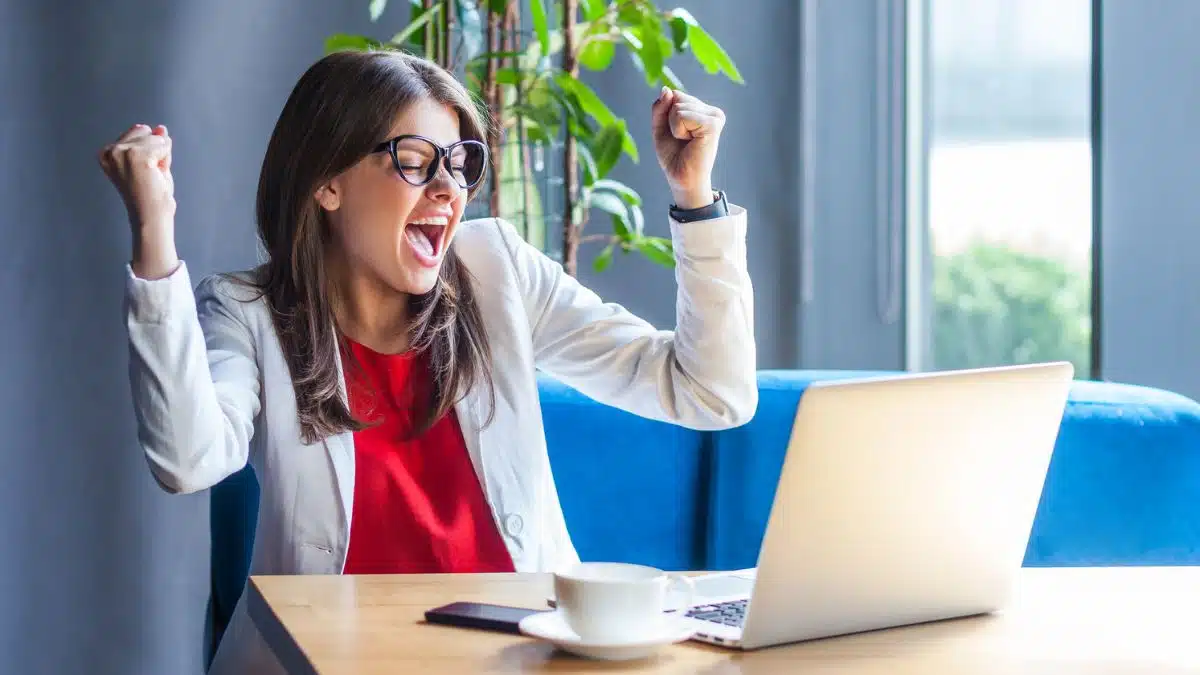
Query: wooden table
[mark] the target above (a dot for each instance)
(1083, 620)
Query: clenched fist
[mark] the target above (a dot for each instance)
(686, 134)
(139, 166)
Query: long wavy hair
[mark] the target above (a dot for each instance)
(339, 110)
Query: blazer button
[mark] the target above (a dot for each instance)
(514, 525)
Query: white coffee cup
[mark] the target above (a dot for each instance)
(618, 602)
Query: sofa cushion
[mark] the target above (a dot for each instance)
(1123, 486)
(632, 489)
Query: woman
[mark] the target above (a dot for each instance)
(378, 371)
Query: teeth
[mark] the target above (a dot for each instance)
(432, 220)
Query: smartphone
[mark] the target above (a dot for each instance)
(481, 615)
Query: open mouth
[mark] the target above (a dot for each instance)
(426, 237)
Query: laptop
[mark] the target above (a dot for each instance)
(902, 500)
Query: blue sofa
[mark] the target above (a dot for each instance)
(1123, 486)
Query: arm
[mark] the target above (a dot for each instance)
(191, 357)
(194, 379)
(702, 375)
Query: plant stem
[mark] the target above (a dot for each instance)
(491, 95)
(526, 169)
(430, 47)
(447, 30)
(570, 161)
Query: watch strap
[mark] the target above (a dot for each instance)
(719, 208)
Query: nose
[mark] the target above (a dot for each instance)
(443, 187)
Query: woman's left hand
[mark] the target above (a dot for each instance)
(686, 132)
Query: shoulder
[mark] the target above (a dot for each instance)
(238, 292)
(485, 234)
(492, 248)
(495, 245)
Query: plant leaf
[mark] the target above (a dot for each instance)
(509, 76)
(603, 259)
(537, 11)
(658, 250)
(626, 193)
(630, 14)
(537, 133)
(638, 218)
(606, 147)
(588, 162)
(711, 55)
(606, 201)
(376, 9)
(598, 54)
(543, 115)
(679, 33)
(589, 101)
(416, 24)
(631, 39)
(651, 51)
(592, 9)
(623, 229)
(671, 79)
(344, 42)
(683, 15)
(629, 146)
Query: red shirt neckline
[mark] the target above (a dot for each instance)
(418, 503)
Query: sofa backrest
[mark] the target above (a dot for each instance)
(1123, 487)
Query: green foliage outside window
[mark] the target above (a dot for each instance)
(996, 306)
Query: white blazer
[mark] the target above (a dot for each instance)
(211, 391)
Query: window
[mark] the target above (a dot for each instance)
(1004, 183)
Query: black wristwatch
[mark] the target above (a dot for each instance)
(718, 209)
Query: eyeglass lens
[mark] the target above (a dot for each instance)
(416, 160)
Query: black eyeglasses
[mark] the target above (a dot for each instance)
(417, 159)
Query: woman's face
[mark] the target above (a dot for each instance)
(386, 227)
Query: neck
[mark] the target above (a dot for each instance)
(368, 311)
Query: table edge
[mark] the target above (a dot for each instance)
(275, 635)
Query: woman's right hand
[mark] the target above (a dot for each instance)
(139, 166)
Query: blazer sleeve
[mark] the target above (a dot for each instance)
(701, 375)
(194, 378)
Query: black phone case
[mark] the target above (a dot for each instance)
(481, 616)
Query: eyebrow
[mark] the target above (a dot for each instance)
(413, 146)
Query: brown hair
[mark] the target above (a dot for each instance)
(341, 108)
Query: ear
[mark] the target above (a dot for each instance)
(329, 196)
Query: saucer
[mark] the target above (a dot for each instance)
(551, 627)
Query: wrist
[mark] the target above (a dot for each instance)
(686, 199)
(154, 254)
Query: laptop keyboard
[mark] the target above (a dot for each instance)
(731, 613)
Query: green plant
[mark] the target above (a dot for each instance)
(536, 95)
(995, 306)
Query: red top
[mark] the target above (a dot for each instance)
(418, 504)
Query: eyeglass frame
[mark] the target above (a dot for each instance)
(441, 158)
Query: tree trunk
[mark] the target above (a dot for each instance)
(570, 242)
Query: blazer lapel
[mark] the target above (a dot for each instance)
(341, 454)
(471, 423)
